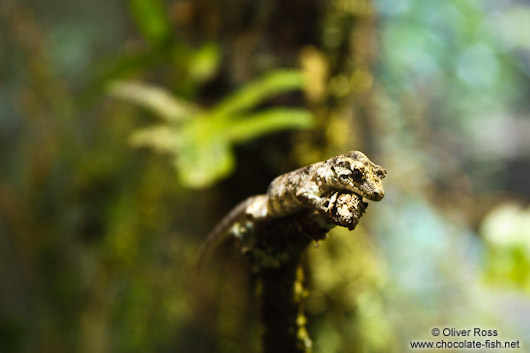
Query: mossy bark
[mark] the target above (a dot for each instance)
(275, 252)
(282, 313)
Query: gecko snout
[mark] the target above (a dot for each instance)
(378, 195)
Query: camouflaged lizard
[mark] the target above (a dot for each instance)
(313, 187)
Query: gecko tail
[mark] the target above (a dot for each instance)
(251, 208)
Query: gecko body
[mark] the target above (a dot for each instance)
(305, 187)
(302, 189)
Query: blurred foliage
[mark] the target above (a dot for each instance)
(200, 139)
(97, 240)
(355, 292)
(453, 120)
(152, 20)
(506, 229)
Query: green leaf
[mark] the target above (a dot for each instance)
(202, 146)
(204, 62)
(260, 90)
(204, 161)
(267, 121)
(156, 99)
(151, 17)
(161, 138)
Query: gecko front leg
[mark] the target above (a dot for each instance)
(346, 209)
(343, 209)
(323, 205)
(309, 198)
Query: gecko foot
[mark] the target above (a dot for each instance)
(343, 209)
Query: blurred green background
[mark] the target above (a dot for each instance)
(98, 239)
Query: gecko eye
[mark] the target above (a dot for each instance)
(357, 175)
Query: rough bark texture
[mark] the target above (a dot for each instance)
(282, 313)
(275, 248)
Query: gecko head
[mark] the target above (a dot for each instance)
(355, 172)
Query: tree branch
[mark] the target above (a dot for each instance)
(274, 247)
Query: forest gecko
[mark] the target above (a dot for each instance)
(306, 188)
